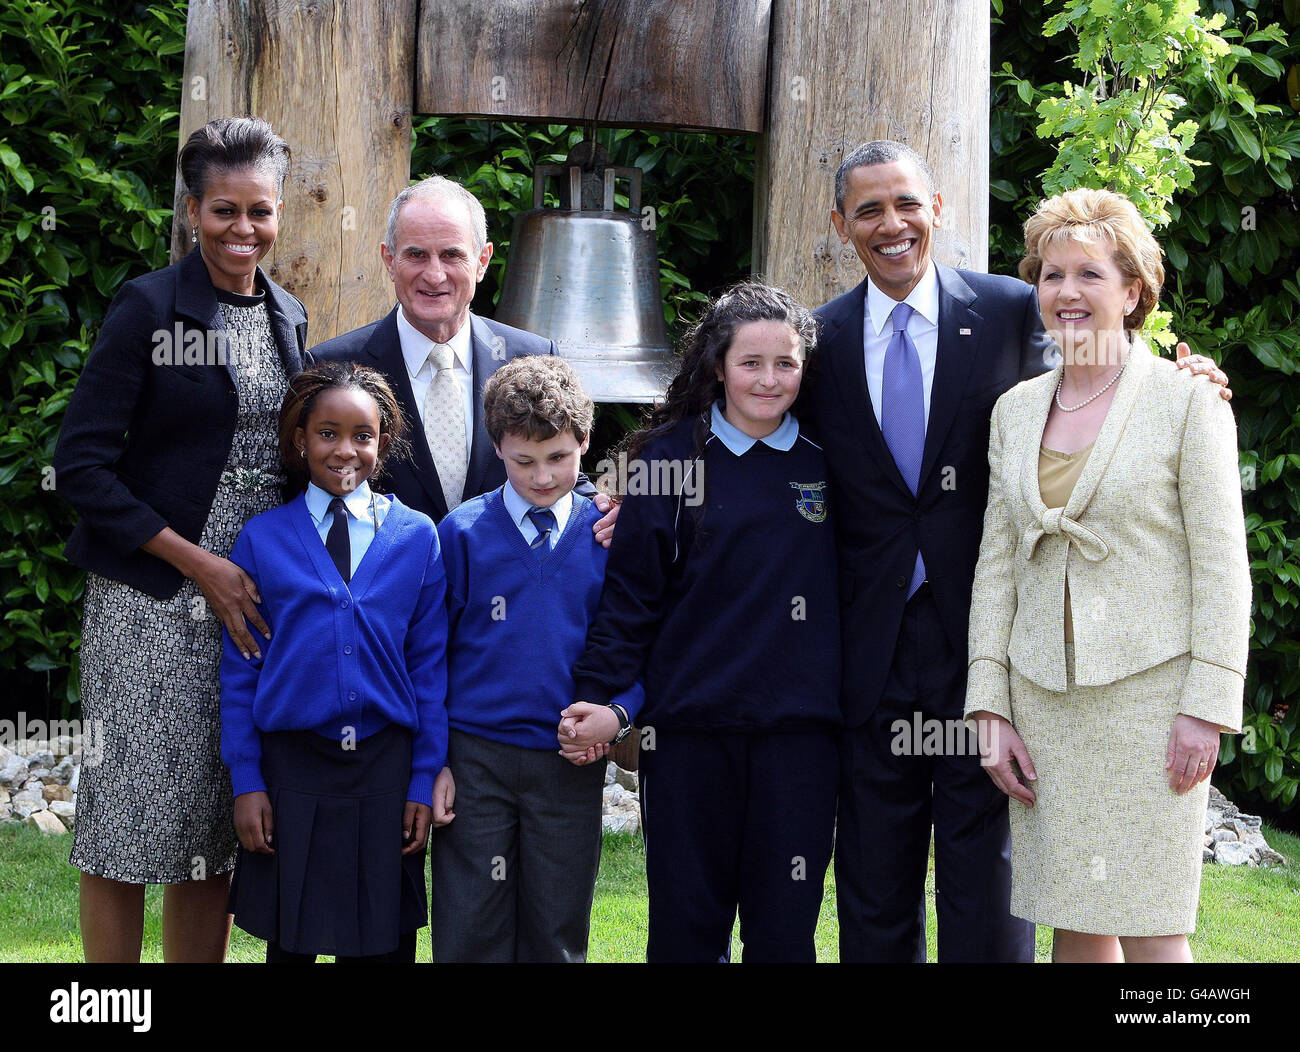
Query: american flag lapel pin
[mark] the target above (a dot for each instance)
(963, 332)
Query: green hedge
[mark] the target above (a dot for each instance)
(90, 101)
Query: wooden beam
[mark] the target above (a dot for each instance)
(657, 63)
(842, 74)
(335, 80)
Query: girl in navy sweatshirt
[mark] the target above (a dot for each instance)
(721, 589)
(336, 730)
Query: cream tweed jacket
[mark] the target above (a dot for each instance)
(1152, 542)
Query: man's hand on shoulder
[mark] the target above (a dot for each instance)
(604, 527)
(1203, 366)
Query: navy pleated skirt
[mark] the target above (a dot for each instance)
(338, 883)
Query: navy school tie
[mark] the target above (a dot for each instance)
(337, 541)
(544, 520)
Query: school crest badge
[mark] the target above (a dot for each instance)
(811, 501)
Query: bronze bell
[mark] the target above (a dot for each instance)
(586, 275)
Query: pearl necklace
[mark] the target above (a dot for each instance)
(1075, 408)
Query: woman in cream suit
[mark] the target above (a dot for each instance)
(1111, 607)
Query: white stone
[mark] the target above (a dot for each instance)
(621, 823)
(42, 757)
(63, 770)
(12, 767)
(609, 773)
(1224, 835)
(39, 774)
(46, 823)
(613, 794)
(28, 802)
(627, 779)
(4, 795)
(65, 811)
(1232, 853)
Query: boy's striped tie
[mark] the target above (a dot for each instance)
(544, 520)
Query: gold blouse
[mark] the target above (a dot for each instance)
(1057, 474)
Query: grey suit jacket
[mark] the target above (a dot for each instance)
(1152, 543)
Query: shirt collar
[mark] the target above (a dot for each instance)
(783, 438)
(416, 345)
(519, 508)
(357, 502)
(924, 299)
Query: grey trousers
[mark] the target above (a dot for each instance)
(514, 873)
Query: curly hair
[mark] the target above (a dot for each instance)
(1106, 220)
(538, 396)
(309, 385)
(696, 386)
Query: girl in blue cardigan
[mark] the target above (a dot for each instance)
(335, 730)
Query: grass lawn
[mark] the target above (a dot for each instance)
(1246, 914)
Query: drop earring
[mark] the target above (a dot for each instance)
(194, 237)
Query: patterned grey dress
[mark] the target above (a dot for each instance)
(154, 805)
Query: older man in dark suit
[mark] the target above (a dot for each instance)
(436, 354)
(910, 364)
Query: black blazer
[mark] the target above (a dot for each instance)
(415, 481)
(146, 436)
(990, 338)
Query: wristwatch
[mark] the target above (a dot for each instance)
(624, 724)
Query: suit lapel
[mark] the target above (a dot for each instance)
(1029, 437)
(846, 356)
(385, 350)
(285, 316)
(197, 298)
(1112, 428)
(959, 340)
(487, 353)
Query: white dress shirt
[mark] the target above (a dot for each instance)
(415, 352)
(362, 525)
(923, 327)
(519, 509)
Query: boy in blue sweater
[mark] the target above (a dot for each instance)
(514, 874)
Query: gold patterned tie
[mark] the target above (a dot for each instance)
(444, 425)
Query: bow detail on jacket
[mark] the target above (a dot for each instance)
(1053, 522)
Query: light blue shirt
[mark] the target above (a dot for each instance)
(366, 511)
(519, 509)
(923, 327)
(783, 438)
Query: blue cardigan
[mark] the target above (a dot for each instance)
(518, 618)
(341, 657)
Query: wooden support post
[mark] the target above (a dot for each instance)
(842, 74)
(335, 79)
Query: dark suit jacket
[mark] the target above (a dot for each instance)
(415, 481)
(146, 436)
(990, 338)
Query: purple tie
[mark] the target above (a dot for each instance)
(902, 412)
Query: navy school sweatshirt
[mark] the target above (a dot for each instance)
(518, 618)
(731, 608)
